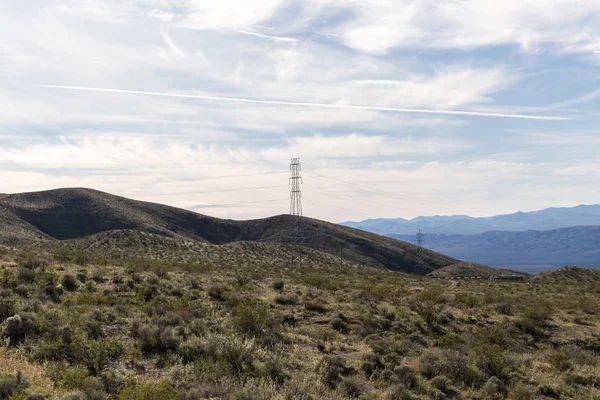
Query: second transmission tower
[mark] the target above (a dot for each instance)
(295, 193)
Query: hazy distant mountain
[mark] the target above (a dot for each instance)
(550, 218)
(529, 251)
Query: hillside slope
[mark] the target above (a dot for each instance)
(570, 275)
(472, 269)
(76, 213)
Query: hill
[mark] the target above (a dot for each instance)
(471, 269)
(548, 219)
(553, 248)
(243, 329)
(570, 275)
(69, 214)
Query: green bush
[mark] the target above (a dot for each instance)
(7, 307)
(334, 370)
(560, 361)
(253, 319)
(26, 275)
(237, 353)
(451, 341)
(17, 328)
(157, 340)
(148, 391)
(11, 386)
(353, 387)
(69, 282)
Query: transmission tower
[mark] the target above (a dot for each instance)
(420, 239)
(420, 251)
(295, 193)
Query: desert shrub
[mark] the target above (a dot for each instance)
(274, 370)
(315, 307)
(242, 280)
(451, 341)
(428, 310)
(11, 386)
(148, 391)
(278, 285)
(70, 283)
(237, 353)
(53, 292)
(406, 375)
(97, 354)
(580, 356)
(431, 294)
(253, 319)
(69, 378)
(559, 360)
(453, 364)
(492, 359)
(494, 388)
(156, 340)
(443, 384)
(353, 387)
(334, 370)
(91, 299)
(217, 292)
(286, 299)
(399, 392)
(7, 307)
(466, 299)
(17, 328)
(339, 325)
(26, 275)
(582, 380)
(539, 311)
(32, 261)
(22, 291)
(93, 329)
(548, 391)
(192, 350)
(522, 392)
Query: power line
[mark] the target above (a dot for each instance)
(418, 201)
(236, 204)
(221, 191)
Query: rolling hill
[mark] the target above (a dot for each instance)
(76, 213)
(570, 275)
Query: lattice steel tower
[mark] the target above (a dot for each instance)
(420, 239)
(295, 193)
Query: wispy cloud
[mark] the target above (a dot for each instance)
(323, 105)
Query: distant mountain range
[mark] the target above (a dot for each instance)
(548, 219)
(531, 242)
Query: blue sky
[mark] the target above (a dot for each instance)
(396, 108)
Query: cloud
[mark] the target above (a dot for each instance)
(383, 25)
(357, 145)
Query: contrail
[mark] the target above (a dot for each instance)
(321, 105)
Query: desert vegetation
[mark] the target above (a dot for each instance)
(79, 326)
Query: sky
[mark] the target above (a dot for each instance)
(396, 108)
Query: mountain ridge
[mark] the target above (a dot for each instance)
(546, 219)
(74, 213)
